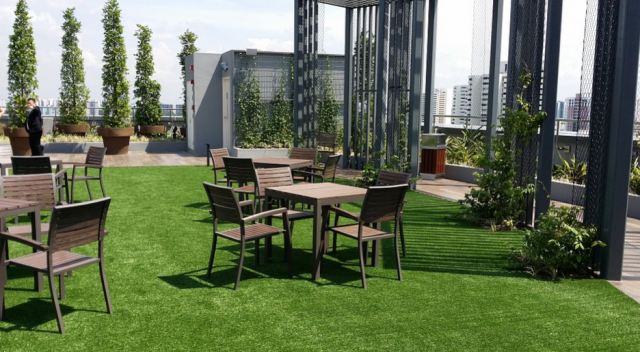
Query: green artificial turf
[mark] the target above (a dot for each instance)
(456, 295)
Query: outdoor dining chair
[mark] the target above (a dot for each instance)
(217, 156)
(243, 172)
(225, 207)
(328, 172)
(385, 178)
(381, 204)
(30, 165)
(277, 177)
(94, 160)
(72, 226)
(305, 154)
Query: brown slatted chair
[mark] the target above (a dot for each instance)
(381, 204)
(243, 172)
(225, 207)
(71, 226)
(305, 154)
(30, 165)
(217, 156)
(328, 172)
(94, 160)
(385, 178)
(276, 177)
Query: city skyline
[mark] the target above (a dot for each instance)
(223, 26)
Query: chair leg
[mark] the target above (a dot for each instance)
(73, 183)
(102, 187)
(335, 235)
(401, 227)
(257, 254)
(63, 293)
(398, 259)
(88, 190)
(242, 245)
(3, 281)
(105, 288)
(212, 255)
(54, 297)
(361, 249)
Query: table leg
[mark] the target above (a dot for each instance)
(317, 241)
(35, 233)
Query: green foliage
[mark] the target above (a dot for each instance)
(370, 172)
(560, 244)
(278, 128)
(147, 91)
(634, 178)
(249, 121)
(328, 106)
(115, 87)
(499, 201)
(574, 172)
(188, 42)
(467, 149)
(23, 66)
(73, 91)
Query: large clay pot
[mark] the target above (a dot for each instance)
(116, 140)
(149, 131)
(74, 130)
(19, 139)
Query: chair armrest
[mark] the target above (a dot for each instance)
(307, 173)
(315, 168)
(248, 202)
(87, 165)
(24, 240)
(344, 213)
(61, 173)
(265, 214)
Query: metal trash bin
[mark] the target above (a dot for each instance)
(433, 154)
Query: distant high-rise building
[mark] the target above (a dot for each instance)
(473, 99)
(441, 105)
(576, 108)
(559, 109)
(460, 103)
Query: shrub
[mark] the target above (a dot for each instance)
(465, 150)
(147, 91)
(73, 91)
(574, 172)
(560, 245)
(634, 179)
(115, 87)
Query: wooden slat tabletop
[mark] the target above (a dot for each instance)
(281, 162)
(12, 204)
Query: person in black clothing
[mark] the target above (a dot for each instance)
(34, 127)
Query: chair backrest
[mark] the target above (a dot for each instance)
(224, 203)
(5, 150)
(330, 167)
(95, 155)
(382, 203)
(274, 177)
(78, 224)
(217, 155)
(304, 153)
(327, 140)
(29, 165)
(390, 178)
(38, 188)
(240, 170)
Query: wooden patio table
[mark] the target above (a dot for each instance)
(14, 207)
(6, 164)
(266, 163)
(320, 196)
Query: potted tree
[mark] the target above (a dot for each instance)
(188, 41)
(22, 81)
(147, 90)
(115, 88)
(73, 91)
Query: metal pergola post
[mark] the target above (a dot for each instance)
(430, 66)
(417, 42)
(494, 106)
(549, 97)
(614, 209)
(381, 80)
(298, 71)
(348, 87)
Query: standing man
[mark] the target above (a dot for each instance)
(34, 127)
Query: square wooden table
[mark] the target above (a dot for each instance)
(14, 207)
(267, 163)
(320, 196)
(6, 164)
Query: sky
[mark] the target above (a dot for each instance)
(223, 25)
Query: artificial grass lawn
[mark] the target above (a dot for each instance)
(456, 294)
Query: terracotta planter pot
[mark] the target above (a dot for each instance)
(183, 132)
(148, 131)
(74, 130)
(19, 139)
(116, 140)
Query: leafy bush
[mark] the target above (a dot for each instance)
(73, 91)
(147, 91)
(634, 179)
(498, 201)
(467, 149)
(560, 245)
(574, 172)
(115, 87)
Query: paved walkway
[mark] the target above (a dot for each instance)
(443, 188)
(630, 283)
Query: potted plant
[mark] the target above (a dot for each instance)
(22, 81)
(73, 91)
(115, 88)
(147, 90)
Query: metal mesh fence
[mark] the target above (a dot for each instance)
(526, 51)
(480, 58)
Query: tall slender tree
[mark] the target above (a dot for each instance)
(188, 41)
(147, 90)
(73, 91)
(115, 87)
(22, 81)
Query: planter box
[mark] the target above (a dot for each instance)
(461, 173)
(149, 147)
(633, 208)
(260, 153)
(563, 192)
